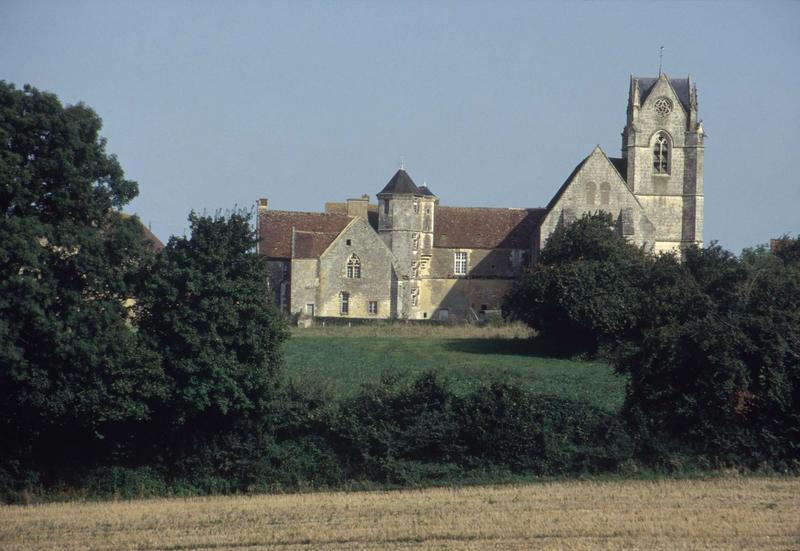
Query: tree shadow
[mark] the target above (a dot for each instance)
(533, 346)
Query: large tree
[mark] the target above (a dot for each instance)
(73, 372)
(586, 290)
(206, 307)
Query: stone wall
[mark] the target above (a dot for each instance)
(598, 186)
(378, 280)
(305, 282)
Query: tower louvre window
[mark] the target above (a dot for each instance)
(386, 206)
(354, 268)
(661, 155)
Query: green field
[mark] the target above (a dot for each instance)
(340, 365)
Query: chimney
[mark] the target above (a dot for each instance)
(357, 208)
(261, 210)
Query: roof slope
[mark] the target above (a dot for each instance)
(312, 244)
(680, 85)
(401, 183)
(275, 230)
(485, 228)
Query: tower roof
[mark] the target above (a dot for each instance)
(425, 190)
(401, 183)
(680, 85)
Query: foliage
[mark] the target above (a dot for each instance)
(205, 307)
(718, 368)
(412, 432)
(73, 372)
(787, 249)
(587, 289)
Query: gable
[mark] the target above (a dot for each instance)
(357, 237)
(595, 185)
(680, 87)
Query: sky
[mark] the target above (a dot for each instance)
(212, 105)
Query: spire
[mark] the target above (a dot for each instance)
(660, 58)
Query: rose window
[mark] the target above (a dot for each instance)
(662, 106)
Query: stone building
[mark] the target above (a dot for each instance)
(409, 257)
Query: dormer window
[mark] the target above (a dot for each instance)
(354, 268)
(661, 155)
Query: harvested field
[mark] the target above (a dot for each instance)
(724, 513)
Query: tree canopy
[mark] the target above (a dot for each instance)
(72, 370)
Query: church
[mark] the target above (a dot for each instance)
(410, 257)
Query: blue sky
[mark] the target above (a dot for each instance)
(210, 105)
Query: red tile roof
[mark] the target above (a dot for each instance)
(312, 244)
(275, 230)
(485, 228)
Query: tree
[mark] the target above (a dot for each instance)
(718, 364)
(585, 291)
(206, 308)
(73, 372)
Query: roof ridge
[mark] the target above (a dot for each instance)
(305, 212)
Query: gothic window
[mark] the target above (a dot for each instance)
(605, 193)
(414, 297)
(415, 241)
(416, 207)
(372, 307)
(354, 268)
(460, 263)
(661, 155)
(344, 303)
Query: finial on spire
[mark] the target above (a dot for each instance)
(402, 157)
(660, 57)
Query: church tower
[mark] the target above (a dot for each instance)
(662, 144)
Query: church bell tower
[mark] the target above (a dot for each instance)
(662, 144)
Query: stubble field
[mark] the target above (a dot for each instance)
(723, 513)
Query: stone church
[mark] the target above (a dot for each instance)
(408, 256)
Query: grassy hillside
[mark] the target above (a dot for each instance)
(725, 513)
(339, 361)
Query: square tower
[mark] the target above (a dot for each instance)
(662, 144)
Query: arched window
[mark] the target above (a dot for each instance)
(605, 193)
(354, 268)
(661, 155)
(591, 192)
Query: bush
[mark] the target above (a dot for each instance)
(506, 425)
